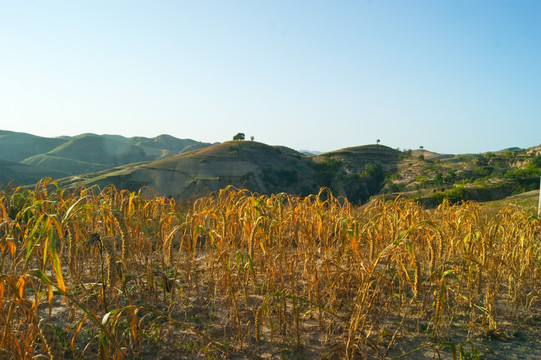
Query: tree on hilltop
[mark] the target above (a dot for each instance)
(239, 136)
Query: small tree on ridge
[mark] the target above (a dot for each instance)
(239, 136)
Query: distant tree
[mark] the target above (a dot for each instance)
(252, 138)
(421, 147)
(378, 141)
(239, 136)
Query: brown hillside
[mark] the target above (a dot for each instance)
(244, 164)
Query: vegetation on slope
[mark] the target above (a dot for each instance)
(480, 177)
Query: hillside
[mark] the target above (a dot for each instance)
(256, 166)
(17, 173)
(431, 177)
(356, 173)
(66, 165)
(88, 152)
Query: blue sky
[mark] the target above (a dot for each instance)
(452, 76)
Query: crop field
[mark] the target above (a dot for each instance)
(111, 274)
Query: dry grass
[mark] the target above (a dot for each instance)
(120, 276)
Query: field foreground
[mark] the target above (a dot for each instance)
(114, 275)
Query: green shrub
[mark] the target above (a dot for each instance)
(454, 195)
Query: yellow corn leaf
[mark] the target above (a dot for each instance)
(133, 324)
(4, 212)
(262, 247)
(50, 295)
(12, 246)
(21, 283)
(81, 322)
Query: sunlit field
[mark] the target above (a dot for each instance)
(112, 274)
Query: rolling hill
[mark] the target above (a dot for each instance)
(88, 152)
(356, 173)
(259, 167)
(165, 145)
(16, 146)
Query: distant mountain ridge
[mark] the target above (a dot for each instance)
(88, 152)
(15, 146)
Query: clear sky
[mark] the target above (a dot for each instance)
(453, 76)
